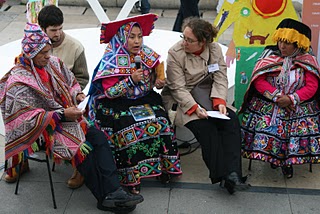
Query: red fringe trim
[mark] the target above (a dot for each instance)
(49, 142)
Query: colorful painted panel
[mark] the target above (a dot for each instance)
(253, 22)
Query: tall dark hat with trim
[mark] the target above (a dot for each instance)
(293, 31)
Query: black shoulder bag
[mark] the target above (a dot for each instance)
(201, 92)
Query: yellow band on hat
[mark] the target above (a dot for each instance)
(291, 35)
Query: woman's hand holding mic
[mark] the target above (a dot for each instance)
(137, 76)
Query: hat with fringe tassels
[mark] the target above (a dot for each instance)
(293, 31)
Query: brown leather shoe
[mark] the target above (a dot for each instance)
(76, 180)
(25, 168)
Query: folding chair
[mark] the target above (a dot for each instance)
(46, 160)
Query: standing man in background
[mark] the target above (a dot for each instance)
(187, 9)
(145, 6)
(65, 47)
(71, 52)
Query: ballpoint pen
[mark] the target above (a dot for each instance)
(201, 109)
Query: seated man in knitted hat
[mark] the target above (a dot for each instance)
(71, 52)
(38, 99)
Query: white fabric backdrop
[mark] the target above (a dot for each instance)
(159, 40)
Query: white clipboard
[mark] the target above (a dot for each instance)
(217, 114)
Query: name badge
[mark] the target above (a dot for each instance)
(213, 68)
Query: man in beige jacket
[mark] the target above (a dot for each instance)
(67, 48)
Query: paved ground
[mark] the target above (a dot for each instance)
(193, 193)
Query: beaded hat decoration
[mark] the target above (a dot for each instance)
(34, 40)
(292, 31)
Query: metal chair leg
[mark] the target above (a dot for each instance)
(53, 166)
(49, 173)
(310, 167)
(51, 184)
(18, 178)
(249, 167)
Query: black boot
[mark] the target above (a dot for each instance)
(273, 166)
(118, 199)
(287, 170)
(216, 180)
(117, 210)
(234, 183)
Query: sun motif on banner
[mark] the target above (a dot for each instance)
(269, 8)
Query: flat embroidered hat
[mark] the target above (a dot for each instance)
(146, 22)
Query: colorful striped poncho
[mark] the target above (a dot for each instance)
(30, 111)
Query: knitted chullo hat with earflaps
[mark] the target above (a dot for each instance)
(34, 40)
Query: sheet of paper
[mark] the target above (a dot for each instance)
(83, 104)
(217, 114)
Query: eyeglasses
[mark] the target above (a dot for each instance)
(188, 40)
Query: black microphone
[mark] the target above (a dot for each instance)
(137, 60)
